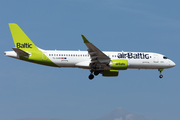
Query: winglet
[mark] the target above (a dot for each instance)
(85, 39)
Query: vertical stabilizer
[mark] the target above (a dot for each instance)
(21, 40)
(25, 49)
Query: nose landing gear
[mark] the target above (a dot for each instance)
(160, 76)
(160, 70)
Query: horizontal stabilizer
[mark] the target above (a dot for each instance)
(20, 52)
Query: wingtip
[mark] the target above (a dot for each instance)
(84, 39)
(11, 23)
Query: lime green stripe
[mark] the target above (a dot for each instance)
(37, 57)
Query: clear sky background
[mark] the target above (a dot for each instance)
(29, 90)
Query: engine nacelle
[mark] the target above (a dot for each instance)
(118, 64)
(110, 73)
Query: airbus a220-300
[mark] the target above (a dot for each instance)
(98, 62)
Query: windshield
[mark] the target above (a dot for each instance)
(164, 57)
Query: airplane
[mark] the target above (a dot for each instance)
(98, 62)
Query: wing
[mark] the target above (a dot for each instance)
(98, 59)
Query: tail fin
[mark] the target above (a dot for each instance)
(21, 40)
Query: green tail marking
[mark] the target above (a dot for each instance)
(22, 42)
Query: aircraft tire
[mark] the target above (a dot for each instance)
(91, 76)
(161, 76)
(96, 73)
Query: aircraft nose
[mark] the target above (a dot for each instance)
(172, 64)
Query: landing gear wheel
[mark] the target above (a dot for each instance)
(96, 73)
(91, 76)
(161, 76)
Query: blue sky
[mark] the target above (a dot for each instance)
(29, 90)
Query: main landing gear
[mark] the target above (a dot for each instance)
(96, 72)
(91, 76)
(160, 70)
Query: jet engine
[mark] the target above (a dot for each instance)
(118, 64)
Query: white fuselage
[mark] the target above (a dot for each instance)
(81, 59)
(136, 60)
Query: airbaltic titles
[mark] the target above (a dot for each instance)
(133, 55)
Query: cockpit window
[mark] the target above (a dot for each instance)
(165, 57)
